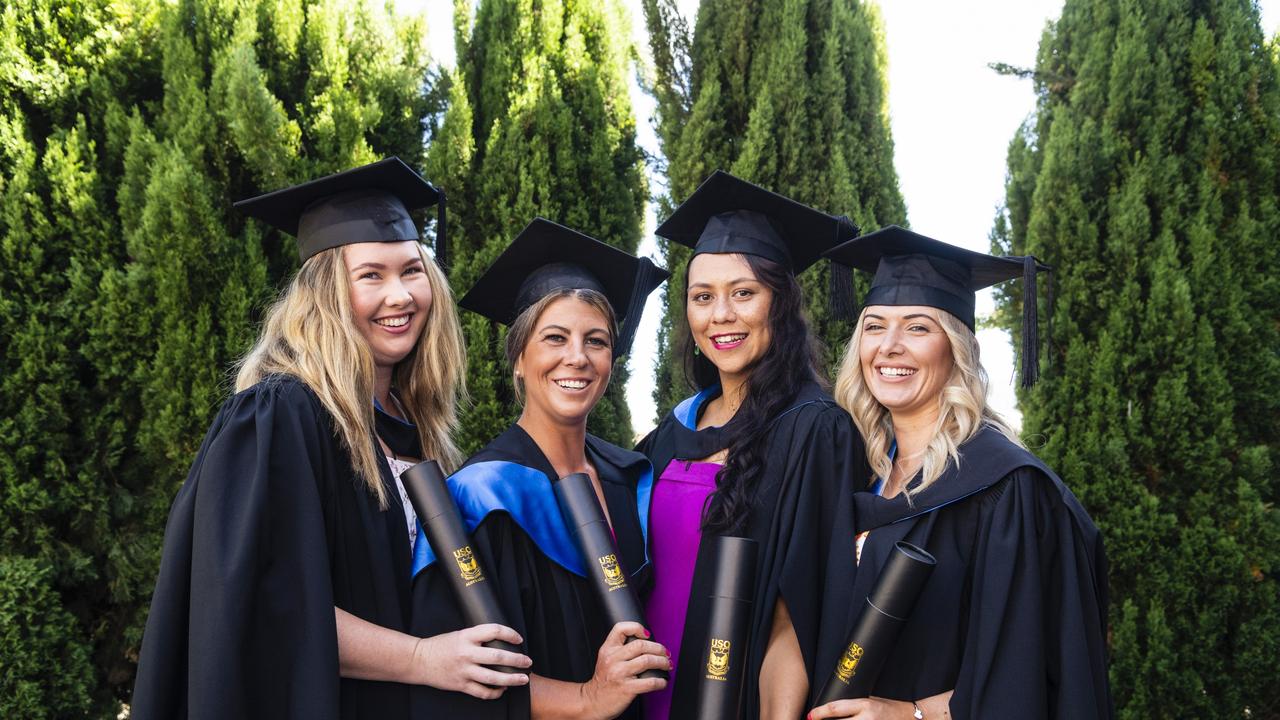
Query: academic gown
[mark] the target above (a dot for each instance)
(508, 506)
(1013, 617)
(271, 530)
(812, 451)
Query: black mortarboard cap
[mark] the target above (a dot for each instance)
(730, 215)
(370, 203)
(912, 269)
(547, 256)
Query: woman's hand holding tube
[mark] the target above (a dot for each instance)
(618, 663)
(614, 685)
(450, 661)
(864, 709)
(934, 707)
(459, 661)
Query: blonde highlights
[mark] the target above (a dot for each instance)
(963, 409)
(310, 334)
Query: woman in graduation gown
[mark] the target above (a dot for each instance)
(559, 291)
(284, 582)
(761, 451)
(1012, 622)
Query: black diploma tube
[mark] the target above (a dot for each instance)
(728, 627)
(886, 610)
(580, 508)
(442, 523)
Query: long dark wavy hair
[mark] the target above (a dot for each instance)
(790, 361)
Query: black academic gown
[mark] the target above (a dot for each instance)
(1013, 617)
(271, 530)
(508, 505)
(803, 501)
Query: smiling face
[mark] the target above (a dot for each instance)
(728, 312)
(390, 297)
(905, 357)
(566, 363)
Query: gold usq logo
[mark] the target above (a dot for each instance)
(718, 659)
(849, 662)
(612, 572)
(467, 565)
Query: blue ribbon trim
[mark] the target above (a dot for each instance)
(644, 492)
(520, 491)
(687, 411)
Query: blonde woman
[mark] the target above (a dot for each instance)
(562, 295)
(1012, 622)
(284, 584)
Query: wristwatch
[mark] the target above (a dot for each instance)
(918, 714)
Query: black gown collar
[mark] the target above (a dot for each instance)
(399, 435)
(984, 460)
(689, 443)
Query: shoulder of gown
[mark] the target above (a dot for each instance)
(245, 575)
(1036, 639)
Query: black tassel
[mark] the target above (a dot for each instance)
(840, 292)
(1030, 324)
(442, 247)
(840, 300)
(630, 321)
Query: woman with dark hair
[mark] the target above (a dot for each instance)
(559, 292)
(761, 451)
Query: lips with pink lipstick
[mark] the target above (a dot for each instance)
(728, 341)
(394, 324)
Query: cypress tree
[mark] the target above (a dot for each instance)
(1148, 178)
(126, 128)
(789, 94)
(539, 123)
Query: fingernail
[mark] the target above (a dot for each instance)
(646, 634)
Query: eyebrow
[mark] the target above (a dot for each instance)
(912, 316)
(738, 281)
(380, 266)
(567, 331)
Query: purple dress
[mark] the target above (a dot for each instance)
(678, 498)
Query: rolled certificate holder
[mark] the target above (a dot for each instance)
(581, 511)
(442, 524)
(884, 614)
(724, 655)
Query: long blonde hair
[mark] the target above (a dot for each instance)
(962, 404)
(310, 333)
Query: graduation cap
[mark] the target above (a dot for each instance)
(547, 256)
(730, 215)
(370, 203)
(911, 269)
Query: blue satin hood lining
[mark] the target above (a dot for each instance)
(525, 494)
(687, 411)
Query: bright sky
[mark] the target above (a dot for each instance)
(952, 119)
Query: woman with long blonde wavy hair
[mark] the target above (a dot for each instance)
(284, 583)
(1012, 621)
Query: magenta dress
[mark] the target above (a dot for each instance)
(678, 498)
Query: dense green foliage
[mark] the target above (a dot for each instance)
(129, 286)
(1150, 179)
(789, 94)
(539, 124)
